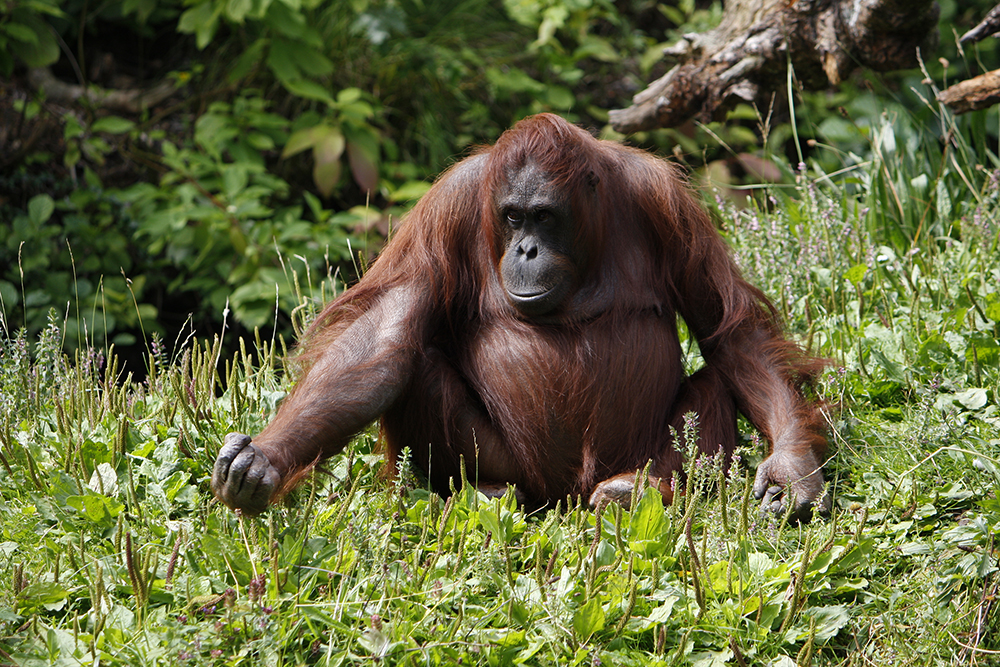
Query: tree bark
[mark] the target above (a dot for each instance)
(746, 57)
(973, 94)
(990, 25)
(984, 90)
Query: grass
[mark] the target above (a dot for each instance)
(113, 552)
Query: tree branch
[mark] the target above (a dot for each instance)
(745, 58)
(131, 100)
(973, 94)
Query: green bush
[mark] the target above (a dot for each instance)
(318, 125)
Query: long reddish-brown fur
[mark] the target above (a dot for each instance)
(564, 402)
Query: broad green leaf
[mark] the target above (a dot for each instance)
(326, 176)
(856, 556)
(362, 167)
(282, 62)
(409, 191)
(845, 586)
(247, 61)
(560, 97)
(175, 483)
(357, 112)
(717, 576)
(300, 141)
(993, 307)
(237, 10)
(142, 8)
(40, 209)
(312, 62)
(837, 130)
(348, 96)
(674, 14)
(986, 351)
(326, 159)
(662, 613)
(973, 398)
(254, 303)
(44, 49)
(491, 519)
(96, 508)
(781, 661)
(9, 295)
(104, 481)
(554, 18)
(711, 658)
(234, 180)
(750, 605)
(769, 614)
(260, 141)
(647, 533)
(112, 125)
(856, 274)
(362, 153)
(597, 48)
(893, 369)
(589, 619)
(513, 80)
(528, 653)
(47, 594)
(309, 90)
(20, 32)
(829, 621)
(202, 21)
(286, 19)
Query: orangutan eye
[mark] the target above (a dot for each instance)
(514, 218)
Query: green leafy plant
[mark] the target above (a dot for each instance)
(25, 35)
(72, 256)
(346, 127)
(113, 550)
(212, 228)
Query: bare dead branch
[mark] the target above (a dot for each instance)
(972, 94)
(988, 26)
(131, 100)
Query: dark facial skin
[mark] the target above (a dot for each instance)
(538, 270)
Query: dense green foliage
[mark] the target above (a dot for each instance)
(113, 550)
(302, 130)
(299, 132)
